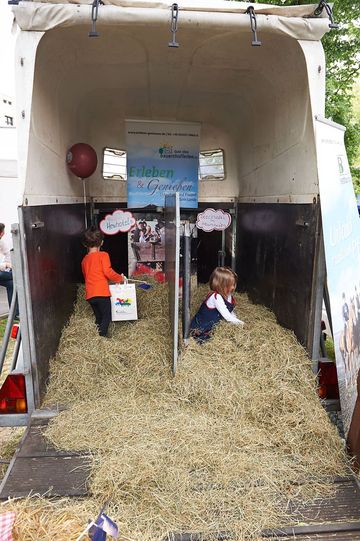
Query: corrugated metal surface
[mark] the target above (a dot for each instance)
(343, 506)
(38, 468)
(337, 517)
(325, 519)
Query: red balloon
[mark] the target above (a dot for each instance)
(81, 159)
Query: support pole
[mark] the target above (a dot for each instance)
(222, 253)
(186, 281)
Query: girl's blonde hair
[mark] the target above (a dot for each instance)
(221, 279)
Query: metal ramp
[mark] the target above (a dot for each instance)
(336, 518)
(39, 468)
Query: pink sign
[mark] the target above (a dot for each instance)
(213, 220)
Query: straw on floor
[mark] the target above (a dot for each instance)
(220, 447)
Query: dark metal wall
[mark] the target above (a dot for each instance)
(54, 251)
(276, 253)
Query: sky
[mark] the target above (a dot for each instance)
(7, 43)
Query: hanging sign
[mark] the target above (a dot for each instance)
(341, 230)
(162, 159)
(118, 222)
(213, 220)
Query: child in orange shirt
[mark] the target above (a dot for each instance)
(97, 271)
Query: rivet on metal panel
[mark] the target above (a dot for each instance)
(174, 25)
(37, 225)
(301, 223)
(253, 25)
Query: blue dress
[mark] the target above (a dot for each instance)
(206, 318)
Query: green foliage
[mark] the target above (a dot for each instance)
(330, 349)
(342, 50)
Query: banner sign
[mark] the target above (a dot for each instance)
(162, 158)
(341, 229)
(213, 220)
(118, 221)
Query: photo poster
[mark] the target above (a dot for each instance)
(162, 158)
(341, 230)
(146, 247)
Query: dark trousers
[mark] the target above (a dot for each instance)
(102, 310)
(6, 280)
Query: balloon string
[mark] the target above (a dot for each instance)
(85, 203)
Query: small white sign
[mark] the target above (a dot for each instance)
(213, 220)
(119, 221)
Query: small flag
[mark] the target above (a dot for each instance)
(103, 525)
(6, 526)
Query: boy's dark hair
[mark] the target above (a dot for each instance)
(2, 227)
(92, 238)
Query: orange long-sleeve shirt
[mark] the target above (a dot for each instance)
(97, 271)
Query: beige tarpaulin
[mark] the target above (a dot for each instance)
(296, 21)
(204, 5)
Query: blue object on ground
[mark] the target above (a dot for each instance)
(144, 286)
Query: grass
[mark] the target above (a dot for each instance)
(329, 346)
(2, 327)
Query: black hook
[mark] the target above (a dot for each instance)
(253, 25)
(174, 25)
(318, 11)
(94, 15)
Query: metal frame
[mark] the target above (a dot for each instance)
(319, 276)
(186, 286)
(172, 268)
(22, 287)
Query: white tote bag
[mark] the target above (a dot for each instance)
(123, 302)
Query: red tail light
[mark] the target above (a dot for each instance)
(328, 382)
(14, 330)
(13, 395)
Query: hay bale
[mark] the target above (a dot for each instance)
(220, 447)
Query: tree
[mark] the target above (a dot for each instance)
(342, 50)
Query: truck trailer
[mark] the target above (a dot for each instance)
(253, 78)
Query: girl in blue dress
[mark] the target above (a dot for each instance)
(218, 305)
